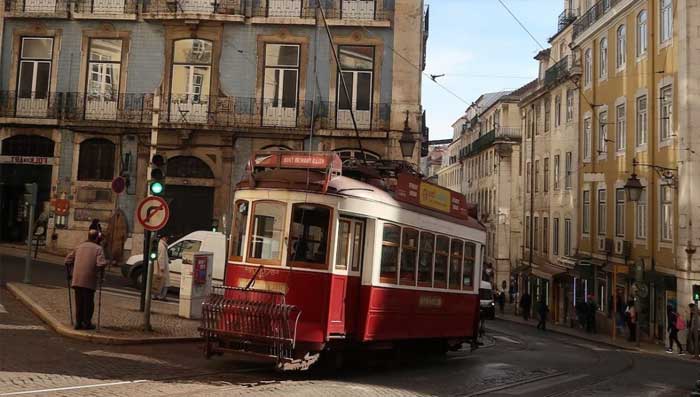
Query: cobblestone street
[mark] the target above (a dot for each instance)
(521, 361)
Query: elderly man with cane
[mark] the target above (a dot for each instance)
(86, 265)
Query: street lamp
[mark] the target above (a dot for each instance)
(634, 188)
(407, 142)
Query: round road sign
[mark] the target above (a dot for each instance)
(153, 213)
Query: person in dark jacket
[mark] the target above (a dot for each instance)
(542, 310)
(86, 265)
(591, 312)
(672, 317)
(526, 304)
(502, 301)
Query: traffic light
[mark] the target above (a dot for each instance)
(696, 293)
(30, 193)
(153, 252)
(157, 183)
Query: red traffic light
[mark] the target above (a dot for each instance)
(158, 160)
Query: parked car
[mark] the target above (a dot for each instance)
(486, 302)
(133, 268)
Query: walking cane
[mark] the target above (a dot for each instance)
(99, 303)
(70, 303)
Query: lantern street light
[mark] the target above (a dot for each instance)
(633, 188)
(407, 142)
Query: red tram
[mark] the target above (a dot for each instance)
(319, 261)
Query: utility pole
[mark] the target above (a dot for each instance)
(30, 197)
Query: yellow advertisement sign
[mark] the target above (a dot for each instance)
(435, 197)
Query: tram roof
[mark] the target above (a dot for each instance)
(314, 181)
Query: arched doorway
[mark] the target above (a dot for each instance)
(23, 159)
(189, 190)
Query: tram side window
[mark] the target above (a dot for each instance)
(341, 254)
(425, 259)
(390, 254)
(442, 252)
(409, 252)
(266, 234)
(309, 235)
(468, 270)
(240, 221)
(356, 247)
(456, 252)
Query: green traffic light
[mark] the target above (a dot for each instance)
(154, 255)
(156, 188)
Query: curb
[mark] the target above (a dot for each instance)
(69, 332)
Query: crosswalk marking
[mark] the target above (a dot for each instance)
(592, 347)
(15, 327)
(543, 384)
(126, 356)
(507, 339)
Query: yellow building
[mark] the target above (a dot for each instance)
(629, 51)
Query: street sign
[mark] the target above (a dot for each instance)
(153, 213)
(118, 184)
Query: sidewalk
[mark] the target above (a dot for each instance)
(620, 342)
(20, 251)
(121, 321)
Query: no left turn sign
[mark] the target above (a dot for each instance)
(153, 213)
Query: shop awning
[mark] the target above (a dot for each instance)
(547, 271)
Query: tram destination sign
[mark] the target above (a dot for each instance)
(29, 160)
(412, 189)
(301, 160)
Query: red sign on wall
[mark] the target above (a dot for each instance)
(412, 189)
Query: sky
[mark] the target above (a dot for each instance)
(480, 48)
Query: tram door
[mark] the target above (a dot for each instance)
(346, 281)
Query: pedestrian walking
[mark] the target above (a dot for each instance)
(542, 310)
(693, 327)
(675, 323)
(631, 321)
(502, 301)
(95, 225)
(162, 270)
(86, 265)
(526, 304)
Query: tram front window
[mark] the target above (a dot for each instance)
(267, 230)
(309, 235)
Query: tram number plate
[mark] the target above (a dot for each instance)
(430, 301)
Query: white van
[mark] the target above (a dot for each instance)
(486, 301)
(193, 242)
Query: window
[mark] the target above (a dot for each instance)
(442, 253)
(391, 240)
(666, 213)
(341, 254)
(308, 235)
(620, 212)
(567, 237)
(281, 83)
(537, 175)
(96, 160)
(536, 225)
(603, 59)
(641, 216)
(587, 67)
(545, 235)
(34, 74)
(356, 256)
(545, 182)
(555, 236)
(642, 120)
(266, 235)
(468, 269)
(666, 20)
(527, 231)
(240, 223)
(586, 213)
(603, 134)
(587, 139)
(666, 119)
(569, 170)
(602, 212)
(621, 128)
(190, 81)
(642, 33)
(555, 182)
(547, 114)
(557, 110)
(621, 47)
(528, 177)
(425, 259)
(456, 260)
(569, 105)
(357, 64)
(178, 250)
(409, 256)
(104, 66)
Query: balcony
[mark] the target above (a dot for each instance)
(36, 8)
(566, 18)
(593, 15)
(359, 12)
(220, 10)
(557, 73)
(105, 9)
(284, 10)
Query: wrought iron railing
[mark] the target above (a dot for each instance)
(223, 7)
(36, 7)
(557, 72)
(565, 19)
(105, 7)
(284, 8)
(593, 14)
(363, 10)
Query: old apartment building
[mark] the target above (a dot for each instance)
(89, 87)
